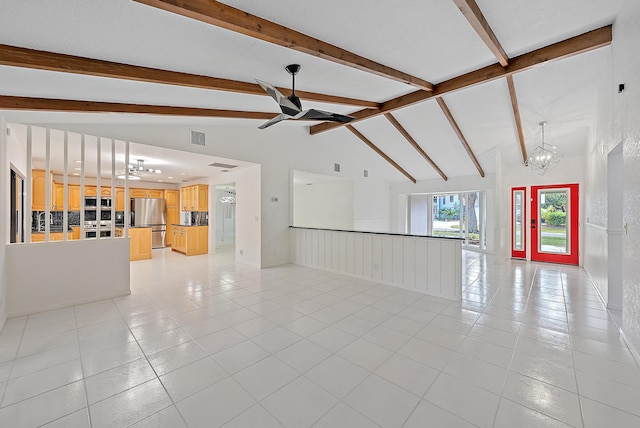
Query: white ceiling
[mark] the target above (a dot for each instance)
(430, 39)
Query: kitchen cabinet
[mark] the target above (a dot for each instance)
(53, 236)
(172, 200)
(76, 232)
(119, 199)
(139, 244)
(38, 186)
(105, 191)
(195, 198)
(59, 197)
(90, 191)
(146, 193)
(75, 200)
(191, 240)
(137, 193)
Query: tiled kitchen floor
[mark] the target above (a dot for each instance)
(203, 342)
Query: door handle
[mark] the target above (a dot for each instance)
(533, 223)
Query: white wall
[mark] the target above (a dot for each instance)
(5, 214)
(52, 275)
(248, 213)
(626, 111)
(425, 264)
(324, 204)
(371, 205)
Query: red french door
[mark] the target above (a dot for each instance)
(518, 223)
(554, 223)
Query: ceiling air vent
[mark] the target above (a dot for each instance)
(223, 165)
(197, 138)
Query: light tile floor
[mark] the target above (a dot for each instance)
(205, 342)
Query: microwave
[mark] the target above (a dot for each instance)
(91, 202)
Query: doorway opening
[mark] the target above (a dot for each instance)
(225, 217)
(17, 208)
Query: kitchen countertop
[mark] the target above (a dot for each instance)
(190, 225)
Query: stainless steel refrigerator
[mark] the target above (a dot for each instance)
(151, 212)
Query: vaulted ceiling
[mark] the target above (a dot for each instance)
(436, 86)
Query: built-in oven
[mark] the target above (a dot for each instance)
(91, 229)
(92, 202)
(92, 233)
(90, 215)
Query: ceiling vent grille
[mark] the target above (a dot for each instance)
(222, 165)
(197, 138)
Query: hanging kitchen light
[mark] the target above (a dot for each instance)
(545, 156)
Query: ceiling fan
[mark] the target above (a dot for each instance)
(292, 107)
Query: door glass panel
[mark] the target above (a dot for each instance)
(518, 227)
(553, 236)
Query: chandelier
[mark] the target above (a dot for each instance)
(545, 156)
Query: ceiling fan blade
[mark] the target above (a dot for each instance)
(314, 114)
(275, 120)
(286, 105)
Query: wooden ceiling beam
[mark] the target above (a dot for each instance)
(516, 116)
(472, 12)
(52, 104)
(50, 61)
(380, 152)
(567, 48)
(230, 18)
(414, 144)
(460, 135)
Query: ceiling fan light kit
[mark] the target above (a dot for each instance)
(291, 106)
(544, 157)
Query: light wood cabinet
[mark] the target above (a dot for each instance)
(139, 244)
(75, 200)
(191, 240)
(105, 191)
(195, 198)
(76, 232)
(119, 199)
(146, 193)
(173, 217)
(172, 198)
(53, 236)
(137, 193)
(38, 190)
(59, 197)
(90, 191)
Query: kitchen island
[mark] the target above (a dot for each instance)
(190, 240)
(140, 244)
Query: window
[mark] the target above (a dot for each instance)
(454, 215)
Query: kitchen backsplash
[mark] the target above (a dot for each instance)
(199, 218)
(57, 218)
